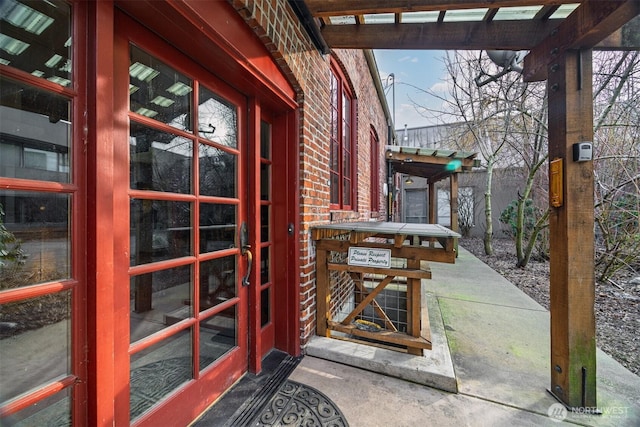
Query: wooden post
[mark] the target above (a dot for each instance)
(433, 219)
(571, 225)
(322, 293)
(413, 306)
(453, 203)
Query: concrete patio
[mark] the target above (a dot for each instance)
(489, 365)
(498, 339)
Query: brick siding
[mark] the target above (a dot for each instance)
(308, 71)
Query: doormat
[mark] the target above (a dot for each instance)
(296, 404)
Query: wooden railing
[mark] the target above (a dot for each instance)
(347, 291)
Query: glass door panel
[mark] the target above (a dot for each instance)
(185, 300)
(266, 242)
(41, 275)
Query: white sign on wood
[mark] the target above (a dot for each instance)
(369, 257)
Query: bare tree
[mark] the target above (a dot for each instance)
(617, 161)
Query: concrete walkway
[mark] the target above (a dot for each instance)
(494, 341)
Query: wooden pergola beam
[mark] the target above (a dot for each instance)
(321, 8)
(495, 35)
(589, 24)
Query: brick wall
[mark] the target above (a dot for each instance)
(308, 71)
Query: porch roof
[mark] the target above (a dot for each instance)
(433, 164)
(539, 26)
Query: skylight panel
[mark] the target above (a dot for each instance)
(12, 46)
(146, 112)
(379, 18)
(179, 89)
(516, 13)
(24, 17)
(342, 20)
(465, 15)
(142, 72)
(53, 61)
(162, 101)
(59, 80)
(420, 17)
(564, 11)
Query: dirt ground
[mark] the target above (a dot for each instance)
(617, 304)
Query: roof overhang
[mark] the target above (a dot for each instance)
(539, 26)
(434, 165)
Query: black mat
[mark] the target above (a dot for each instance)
(296, 404)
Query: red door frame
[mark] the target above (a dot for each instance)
(76, 381)
(245, 64)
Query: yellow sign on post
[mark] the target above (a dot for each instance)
(555, 183)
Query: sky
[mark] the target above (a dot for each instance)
(412, 69)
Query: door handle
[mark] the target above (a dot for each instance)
(247, 253)
(245, 249)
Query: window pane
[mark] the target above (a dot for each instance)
(36, 37)
(35, 133)
(265, 140)
(158, 370)
(265, 182)
(217, 227)
(218, 281)
(346, 164)
(265, 306)
(346, 192)
(158, 300)
(160, 161)
(335, 188)
(160, 230)
(264, 223)
(217, 172)
(52, 411)
(218, 335)
(265, 265)
(217, 119)
(35, 233)
(158, 91)
(44, 322)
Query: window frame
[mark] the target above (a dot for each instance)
(374, 185)
(337, 142)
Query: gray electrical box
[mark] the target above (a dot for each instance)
(582, 151)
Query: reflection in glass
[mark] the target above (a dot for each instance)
(265, 265)
(217, 119)
(160, 230)
(36, 37)
(218, 335)
(159, 370)
(159, 91)
(35, 133)
(160, 161)
(52, 411)
(217, 227)
(158, 300)
(38, 241)
(217, 281)
(44, 322)
(217, 172)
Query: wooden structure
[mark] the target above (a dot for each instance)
(404, 242)
(559, 35)
(434, 165)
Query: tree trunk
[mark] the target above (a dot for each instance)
(488, 233)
